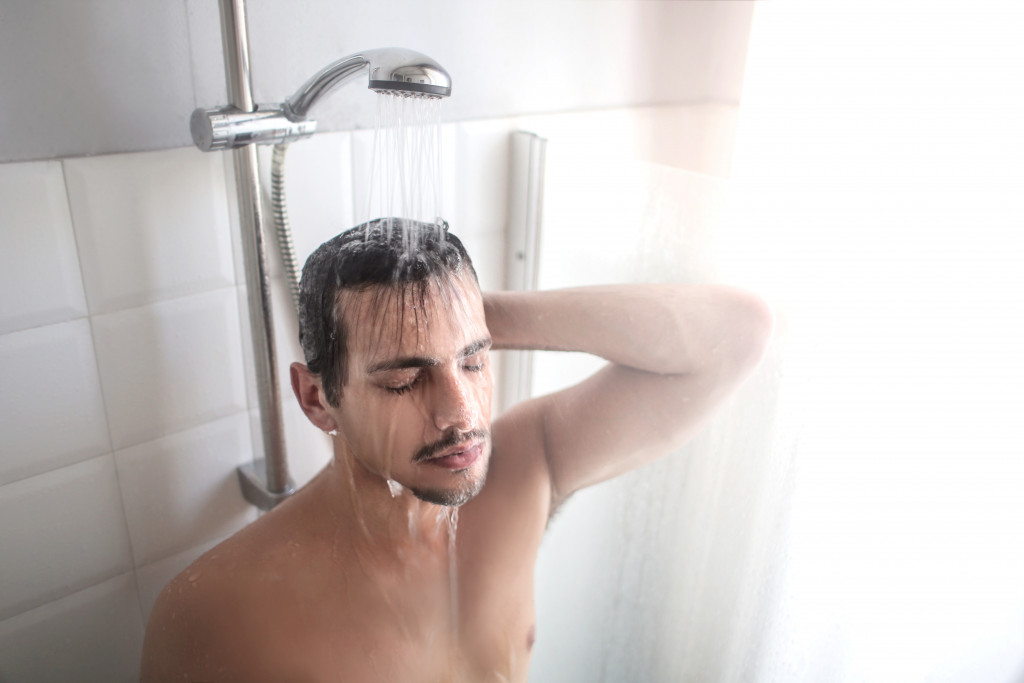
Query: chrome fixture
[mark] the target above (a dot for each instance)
(391, 70)
(240, 126)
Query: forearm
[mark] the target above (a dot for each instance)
(667, 329)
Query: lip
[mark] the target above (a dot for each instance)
(457, 458)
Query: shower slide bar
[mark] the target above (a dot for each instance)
(240, 126)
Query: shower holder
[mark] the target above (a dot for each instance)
(391, 70)
(252, 477)
(243, 124)
(226, 127)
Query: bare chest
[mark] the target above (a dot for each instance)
(429, 621)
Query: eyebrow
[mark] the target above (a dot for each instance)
(404, 362)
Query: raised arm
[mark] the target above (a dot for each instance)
(675, 353)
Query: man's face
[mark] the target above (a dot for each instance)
(417, 404)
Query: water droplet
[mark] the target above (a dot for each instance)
(395, 488)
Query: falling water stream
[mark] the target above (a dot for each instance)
(405, 181)
(452, 517)
(405, 177)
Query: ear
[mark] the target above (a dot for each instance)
(311, 397)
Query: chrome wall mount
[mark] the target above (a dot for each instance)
(240, 126)
(226, 128)
(390, 70)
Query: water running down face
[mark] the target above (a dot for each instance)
(416, 404)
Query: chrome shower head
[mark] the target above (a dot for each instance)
(391, 70)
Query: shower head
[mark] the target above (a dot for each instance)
(391, 70)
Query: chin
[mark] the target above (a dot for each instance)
(455, 495)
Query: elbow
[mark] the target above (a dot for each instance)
(734, 344)
(760, 324)
(753, 324)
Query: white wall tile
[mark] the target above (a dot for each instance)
(450, 190)
(207, 51)
(601, 134)
(51, 408)
(39, 278)
(150, 226)
(182, 490)
(487, 251)
(60, 532)
(170, 366)
(94, 81)
(695, 137)
(318, 186)
(128, 81)
(309, 449)
(91, 635)
(362, 160)
(366, 175)
(480, 179)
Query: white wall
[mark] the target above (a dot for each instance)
(117, 75)
(128, 398)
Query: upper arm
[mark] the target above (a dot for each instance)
(621, 418)
(186, 635)
(167, 647)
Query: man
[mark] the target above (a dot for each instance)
(366, 574)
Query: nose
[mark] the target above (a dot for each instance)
(453, 404)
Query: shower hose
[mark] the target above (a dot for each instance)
(283, 230)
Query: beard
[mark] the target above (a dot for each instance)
(459, 493)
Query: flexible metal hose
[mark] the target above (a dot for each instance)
(279, 208)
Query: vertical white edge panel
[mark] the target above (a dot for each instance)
(525, 203)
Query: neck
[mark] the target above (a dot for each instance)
(379, 518)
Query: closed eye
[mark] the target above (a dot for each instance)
(402, 388)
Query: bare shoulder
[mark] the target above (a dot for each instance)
(209, 622)
(194, 625)
(182, 631)
(518, 470)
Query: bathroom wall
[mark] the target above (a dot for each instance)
(118, 76)
(129, 400)
(128, 397)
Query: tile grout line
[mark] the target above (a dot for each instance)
(111, 451)
(103, 398)
(42, 325)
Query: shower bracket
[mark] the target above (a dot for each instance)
(255, 490)
(242, 125)
(227, 127)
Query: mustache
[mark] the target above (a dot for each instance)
(451, 438)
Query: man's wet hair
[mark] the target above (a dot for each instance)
(395, 255)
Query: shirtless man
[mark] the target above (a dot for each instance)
(350, 579)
